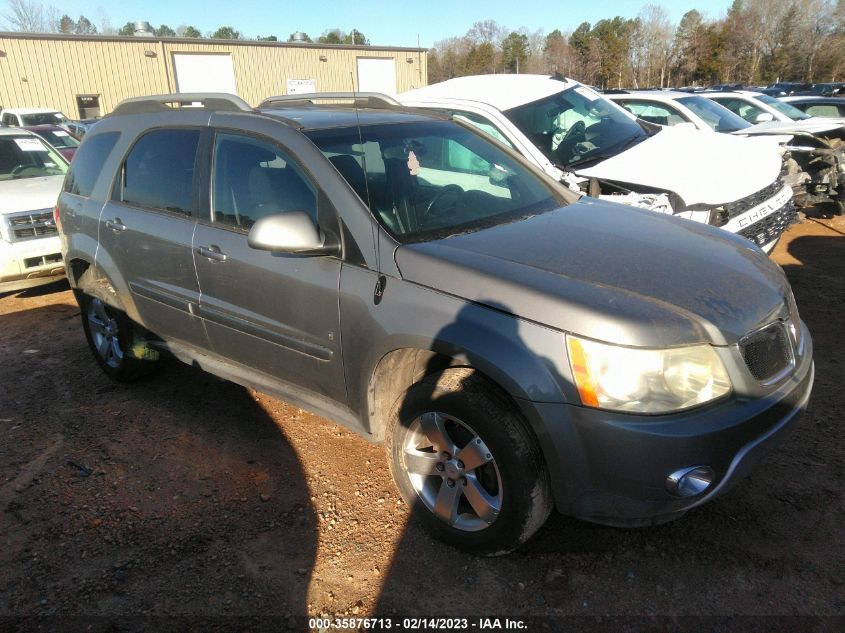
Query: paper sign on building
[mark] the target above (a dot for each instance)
(301, 86)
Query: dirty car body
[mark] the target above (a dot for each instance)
(423, 278)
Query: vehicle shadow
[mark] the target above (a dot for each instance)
(176, 498)
(38, 291)
(743, 555)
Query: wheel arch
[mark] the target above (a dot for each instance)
(87, 278)
(401, 368)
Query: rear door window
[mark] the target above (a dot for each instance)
(158, 172)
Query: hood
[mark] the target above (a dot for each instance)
(609, 272)
(776, 141)
(809, 126)
(29, 194)
(709, 169)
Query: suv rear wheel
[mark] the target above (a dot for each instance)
(466, 464)
(110, 336)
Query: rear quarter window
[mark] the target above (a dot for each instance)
(88, 163)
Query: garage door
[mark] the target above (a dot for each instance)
(377, 75)
(204, 73)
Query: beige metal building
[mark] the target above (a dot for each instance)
(85, 76)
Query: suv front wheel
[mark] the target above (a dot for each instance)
(110, 335)
(466, 464)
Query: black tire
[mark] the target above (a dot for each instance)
(110, 335)
(500, 502)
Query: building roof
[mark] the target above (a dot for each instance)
(202, 40)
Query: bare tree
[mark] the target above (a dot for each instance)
(26, 16)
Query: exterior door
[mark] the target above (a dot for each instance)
(272, 312)
(377, 75)
(147, 228)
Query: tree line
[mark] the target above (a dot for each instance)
(756, 42)
(31, 16)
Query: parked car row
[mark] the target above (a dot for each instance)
(415, 274)
(580, 137)
(814, 148)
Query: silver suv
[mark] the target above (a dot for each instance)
(514, 345)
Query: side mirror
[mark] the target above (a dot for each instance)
(293, 232)
(764, 117)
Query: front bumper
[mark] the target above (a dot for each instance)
(611, 468)
(30, 263)
(766, 222)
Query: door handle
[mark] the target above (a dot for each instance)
(116, 225)
(213, 253)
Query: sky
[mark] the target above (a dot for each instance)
(393, 23)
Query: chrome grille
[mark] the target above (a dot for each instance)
(30, 225)
(767, 352)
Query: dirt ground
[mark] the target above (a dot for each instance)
(188, 496)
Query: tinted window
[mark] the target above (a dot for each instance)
(482, 124)
(159, 171)
(430, 180)
(58, 138)
(28, 157)
(43, 118)
(253, 179)
(88, 162)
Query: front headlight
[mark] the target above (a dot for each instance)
(638, 380)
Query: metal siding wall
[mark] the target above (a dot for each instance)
(58, 69)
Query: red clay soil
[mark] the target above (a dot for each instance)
(184, 495)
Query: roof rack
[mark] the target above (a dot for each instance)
(220, 101)
(375, 100)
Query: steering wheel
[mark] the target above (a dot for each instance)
(438, 197)
(18, 169)
(578, 128)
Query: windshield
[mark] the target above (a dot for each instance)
(717, 117)
(430, 180)
(784, 108)
(28, 157)
(576, 126)
(58, 138)
(43, 118)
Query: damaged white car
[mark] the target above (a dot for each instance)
(670, 108)
(818, 143)
(580, 137)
